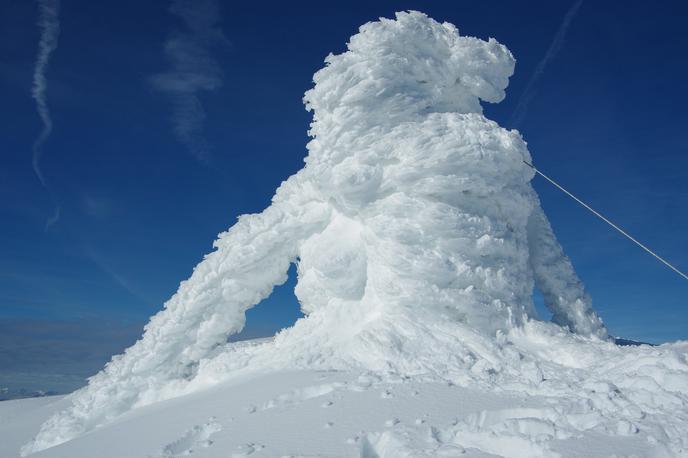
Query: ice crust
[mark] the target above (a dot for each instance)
(418, 240)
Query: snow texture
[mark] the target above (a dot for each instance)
(418, 240)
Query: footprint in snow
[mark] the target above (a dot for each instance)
(362, 383)
(392, 422)
(449, 450)
(245, 450)
(196, 438)
(303, 394)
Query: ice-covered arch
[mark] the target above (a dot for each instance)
(413, 223)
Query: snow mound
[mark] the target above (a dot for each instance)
(418, 240)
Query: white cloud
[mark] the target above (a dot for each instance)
(193, 69)
(49, 23)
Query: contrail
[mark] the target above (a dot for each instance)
(193, 69)
(118, 279)
(554, 47)
(49, 24)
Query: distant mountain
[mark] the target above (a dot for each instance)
(630, 343)
(6, 394)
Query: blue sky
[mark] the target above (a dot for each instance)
(141, 204)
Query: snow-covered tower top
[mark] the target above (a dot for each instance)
(397, 69)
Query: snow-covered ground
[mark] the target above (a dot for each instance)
(310, 413)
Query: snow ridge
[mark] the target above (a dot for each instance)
(418, 240)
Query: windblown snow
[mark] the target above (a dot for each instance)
(418, 240)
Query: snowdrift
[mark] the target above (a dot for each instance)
(418, 240)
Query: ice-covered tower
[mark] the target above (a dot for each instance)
(413, 224)
(439, 197)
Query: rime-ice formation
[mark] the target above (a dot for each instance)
(418, 240)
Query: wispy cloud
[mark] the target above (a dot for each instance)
(49, 24)
(193, 70)
(118, 279)
(554, 47)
